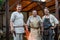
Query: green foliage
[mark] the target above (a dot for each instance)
(1, 2)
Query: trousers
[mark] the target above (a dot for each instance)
(18, 36)
(50, 36)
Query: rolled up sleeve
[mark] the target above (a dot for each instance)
(55, 20)
(28, 22)
(12, 17)
(40, 19)
(43, 18)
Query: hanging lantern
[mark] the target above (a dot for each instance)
(43, 0)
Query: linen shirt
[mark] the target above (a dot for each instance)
(53, 19)
(31, 19)
(17, 19)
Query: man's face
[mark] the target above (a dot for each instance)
(46, 11)
(34, 12)
(19, 8)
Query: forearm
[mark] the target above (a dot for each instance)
(42, 27)
(55, 25)
(26, 26)
(11, 24)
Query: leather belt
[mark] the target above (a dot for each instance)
(35, 27)
(18, 26)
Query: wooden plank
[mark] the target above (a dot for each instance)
(34, 8)
(27, 5)
(13, 5)
(30, 6)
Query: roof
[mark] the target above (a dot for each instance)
(28, 5)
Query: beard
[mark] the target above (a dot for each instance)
(47, 13)
(34, 15)
(19, 10)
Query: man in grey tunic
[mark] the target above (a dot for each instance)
(17, 23)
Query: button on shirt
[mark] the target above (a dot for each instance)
(17, 19)
(53, 19)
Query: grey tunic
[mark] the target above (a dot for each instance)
(17, 19)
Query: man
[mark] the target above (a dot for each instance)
(49, 24)
(17, 23)
(34, 22)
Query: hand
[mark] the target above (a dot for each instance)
(12, 29)
(41, 32)
(1, 32)
(52, 27)
(42, 29)
(26, 26)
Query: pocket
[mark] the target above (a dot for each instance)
(53, 32)
(46, 32)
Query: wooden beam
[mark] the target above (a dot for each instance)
(27, 5)
(25, 0)
(32, 8)
(37, 8)
(13, 5)
(52, 2)
(17, 2)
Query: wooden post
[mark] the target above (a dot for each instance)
(57, 16)
(7, 15)
(57, 9)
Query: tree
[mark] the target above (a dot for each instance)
(1, 2)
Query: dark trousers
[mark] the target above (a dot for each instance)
(50, 36)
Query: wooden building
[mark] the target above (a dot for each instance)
(27, 6)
